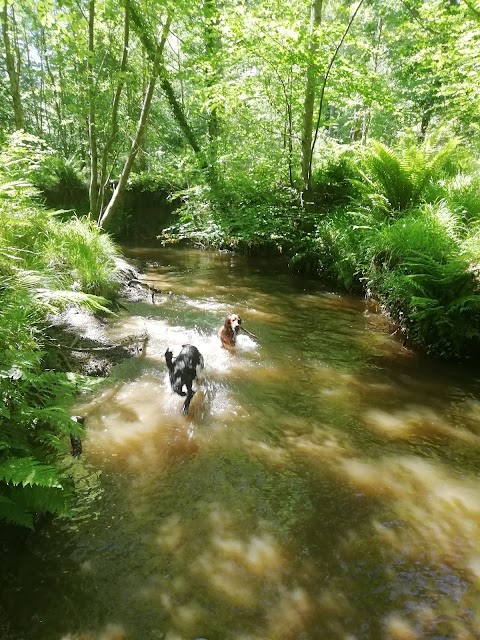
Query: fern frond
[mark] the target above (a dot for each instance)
(29, 471)
(46, 500)
(467, 303)
(14, 513)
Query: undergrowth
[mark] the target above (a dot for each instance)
(44, 265)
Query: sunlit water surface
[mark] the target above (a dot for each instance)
(325, 484)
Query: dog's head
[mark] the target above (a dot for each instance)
(233, 322)
(169, 359)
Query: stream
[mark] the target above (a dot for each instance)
(325, 484)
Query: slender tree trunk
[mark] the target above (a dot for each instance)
(92, 133)
(212, 50)
(309, 101)
(324, 86)
(116, 104)
(117, 194)
(36, 106)
(376, 57)
(175, 105)
(13, 70)
(56, 98)
(288, 127)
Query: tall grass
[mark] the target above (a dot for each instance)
(77, 249)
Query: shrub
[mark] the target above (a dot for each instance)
(34, 422)
(463, 195)
(61, 182)
(335, 178)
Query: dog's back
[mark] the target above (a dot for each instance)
(183, 370)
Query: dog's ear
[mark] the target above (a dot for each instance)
(228, 322)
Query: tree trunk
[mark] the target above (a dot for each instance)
(288, 125)
(92, 134)
(56, 98)
(324, 86)
(175, 105)
(13, 70)
(116, 103)
(212, 50)
(376, 57)
(309, 101)
(117, 194)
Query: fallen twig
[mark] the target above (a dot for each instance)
(150, 287)
(252, 335)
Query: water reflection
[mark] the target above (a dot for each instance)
(323, 486)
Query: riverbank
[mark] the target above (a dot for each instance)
(79, 333)
(420, 265)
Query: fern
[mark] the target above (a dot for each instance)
(28, 471)
(14, 513)
(402, 176)
(21, 505)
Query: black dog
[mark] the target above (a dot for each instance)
(183, 371)
(75, 440)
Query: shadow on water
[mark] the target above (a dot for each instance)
(325, 484)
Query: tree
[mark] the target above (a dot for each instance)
(12, 60)
(144, 34)
(309, 102)
(113, 205)
(92, 132)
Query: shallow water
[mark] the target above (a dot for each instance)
(325, 484)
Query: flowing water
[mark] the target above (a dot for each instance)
(325, 484)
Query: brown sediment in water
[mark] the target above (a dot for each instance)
(323, 486)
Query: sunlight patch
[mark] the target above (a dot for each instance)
(416, 422)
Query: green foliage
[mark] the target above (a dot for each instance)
(331, 248)
(45, 264)
(463, 195)
(432, 230)
(158, 183)
(61, 182)
(421, 271)
(34, 421)
(250, 223)
(335, 177)
(22, 157)
(397, 180)
(78, 249)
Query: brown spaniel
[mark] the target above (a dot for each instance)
(228, 333)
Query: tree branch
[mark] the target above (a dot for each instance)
(322, 94)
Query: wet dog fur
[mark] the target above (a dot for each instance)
(228, 333)
(183, 371)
